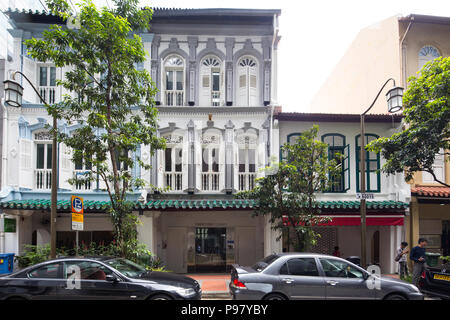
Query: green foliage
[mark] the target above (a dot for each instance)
(112, 99)
(427, 114)
(33, 255)
(288, 189)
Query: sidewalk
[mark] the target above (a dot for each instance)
(214, 285)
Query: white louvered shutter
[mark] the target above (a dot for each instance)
(242, 92)
(205, 86)
(66, 166)
(253, 86)
(26, 165)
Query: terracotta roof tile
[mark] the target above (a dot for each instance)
(443, 192)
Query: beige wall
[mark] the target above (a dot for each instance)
(418, 36)
(371, 59)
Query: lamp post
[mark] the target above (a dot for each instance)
(394, 100)
(13, 98)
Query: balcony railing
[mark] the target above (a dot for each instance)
(174, 97)
(246, 180)
(82, 181)
(43, 179)
(48, 94)
(210, 181)
(173, 180)
(215, 98)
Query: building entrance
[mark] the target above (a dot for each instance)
(210, 249)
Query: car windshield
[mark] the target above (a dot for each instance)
(264, 263)
(127, 267)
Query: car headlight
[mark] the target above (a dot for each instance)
(185, 293)
(414, 288)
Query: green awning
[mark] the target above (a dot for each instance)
(170, 204)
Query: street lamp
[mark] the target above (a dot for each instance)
(13, 98)
(394, 101)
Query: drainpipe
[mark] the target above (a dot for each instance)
(4, 137)
(2, 231)
(402, 55)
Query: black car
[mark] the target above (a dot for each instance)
(96, 278)
(435, 281)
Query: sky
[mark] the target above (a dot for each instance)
(315, 35)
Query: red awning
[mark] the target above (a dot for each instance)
(356, 221)
(370, 221)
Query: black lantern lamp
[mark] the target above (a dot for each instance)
(13, 93)
(395, 99)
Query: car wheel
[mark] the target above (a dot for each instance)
(395, 297)
(160, 297)
(275, 296)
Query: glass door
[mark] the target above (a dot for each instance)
(210, 249)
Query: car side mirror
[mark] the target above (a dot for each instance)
(112, 278)
(365, 275)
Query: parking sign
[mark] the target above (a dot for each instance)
(77, 213)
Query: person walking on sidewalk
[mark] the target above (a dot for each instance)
(418, 257)
(401, 259)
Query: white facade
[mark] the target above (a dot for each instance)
(214, 102)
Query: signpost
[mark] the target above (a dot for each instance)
(77, 217)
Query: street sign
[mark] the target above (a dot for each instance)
(77, 213)
(365, 196)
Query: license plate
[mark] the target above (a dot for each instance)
(441, 277)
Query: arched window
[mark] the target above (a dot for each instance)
(247, 158)
(211, 142)
(247, 92)
(174, 80)
(173, 162)
(372, 165)
(211, 77)
(426, 54)
(339, 151)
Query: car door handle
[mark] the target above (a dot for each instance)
(332, 282)
(288, 280)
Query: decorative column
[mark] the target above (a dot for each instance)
(191, 157)
(265, 139)
(193, 44)
(154, 165)
(266, 45)
(156, 67)
(229, 46)
(229, 165)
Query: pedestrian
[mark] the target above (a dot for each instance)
(401, 259)
(418, 257)
(336, 252)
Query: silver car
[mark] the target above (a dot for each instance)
(314, 276)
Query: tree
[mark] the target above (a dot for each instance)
(111, 98)
(288, 190)
(427, 130)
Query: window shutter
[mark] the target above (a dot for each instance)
(66, 166)
(26, 163)
(205, 81)
(253, 92)
(438, 169)
(242, 92)
(25, 154)
(346, 163)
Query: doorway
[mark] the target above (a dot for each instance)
(376, 248)
(210, 249)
